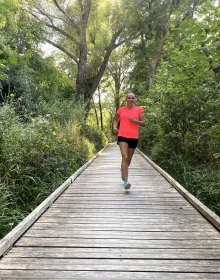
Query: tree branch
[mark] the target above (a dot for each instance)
(39, 11)
(63, 12)
(68, 36)
(63, 50)
(102, 68)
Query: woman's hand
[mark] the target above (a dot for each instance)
(140, 122)
(115, 129)
(132, 119)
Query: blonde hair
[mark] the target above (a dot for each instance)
(130, 92)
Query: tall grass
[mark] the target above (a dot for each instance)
(203, 180)
(35, 158)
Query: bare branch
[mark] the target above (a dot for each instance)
(102, 68)
(63, 12)
(40, 12)
(63, 50)
(68, 36)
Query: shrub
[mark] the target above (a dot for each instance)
(95, 136)
(35, 158)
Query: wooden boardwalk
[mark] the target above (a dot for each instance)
(96, 230)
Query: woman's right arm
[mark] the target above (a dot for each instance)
(115, 124)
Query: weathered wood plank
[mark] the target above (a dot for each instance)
(102, 275)
(125, 215)
(122, 212)
(147, 227)
(189, 266)
(143, 235)
(133, 199)
(126, 220)
(127, 199)
(114, 243)
(147, 207)
(114, 253)
(118, 193)
(159, 201)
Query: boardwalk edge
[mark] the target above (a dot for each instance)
(204, 210)
(7, 241)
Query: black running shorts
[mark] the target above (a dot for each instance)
(132, 142)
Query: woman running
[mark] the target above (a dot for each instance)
(130, 117)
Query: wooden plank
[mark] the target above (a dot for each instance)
(143, 235)
(107, 214)
(127, 198)
(131, 221)
(135, 222)
(106, 180)
(110, 212)
(117, 192)
(148, 205)
(127, 227)
(103, 275)
(187, 266)
(121, 197)
(114, 253)
(115, 243)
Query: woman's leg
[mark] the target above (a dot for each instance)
(130, 155)
(124, 163)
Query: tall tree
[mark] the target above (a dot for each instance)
(187, 88)
(151, 23)
(118, 69)
(87, 31)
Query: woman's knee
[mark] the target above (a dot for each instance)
(124, 157)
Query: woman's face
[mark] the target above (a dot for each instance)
(130, 98)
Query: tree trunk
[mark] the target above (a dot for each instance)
(100, 109)
(153, 65)
(82, 61)
(96, 114)
(92, 83)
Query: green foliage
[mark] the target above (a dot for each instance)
(202, 181)
(184, 137)
(39, 85)
(187, 91)
(35, 158)
(95, 136)
(148, 134)
(63, 110)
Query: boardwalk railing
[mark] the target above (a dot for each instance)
(91, 228)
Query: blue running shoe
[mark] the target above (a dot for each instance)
(127, 185)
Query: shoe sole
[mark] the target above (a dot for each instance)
(127, 186)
